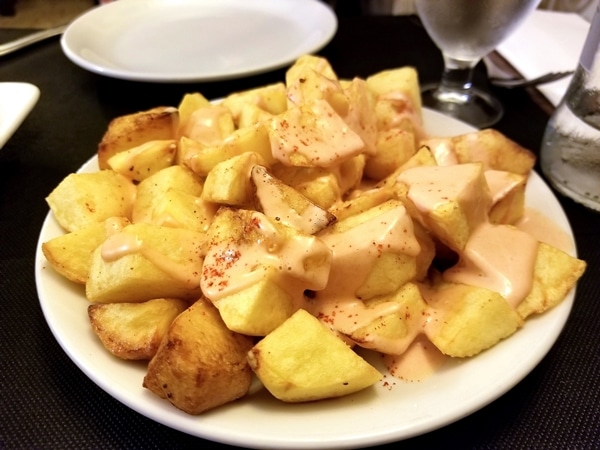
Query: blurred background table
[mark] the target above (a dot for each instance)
(47, 402)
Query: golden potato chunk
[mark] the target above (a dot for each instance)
(386, 246)
(130, 130)
(71, 254)
(449, 201)
(134, 330)
(151, 191)
(303, 361)
(394, 148)
(555, 274)
(145, 261)
(466, 320)
(81, 199)
(200, 363)
(508, 196)
(283, 203)
(256, 270)
(270, 99)
(403, 81)
(138, 163)
(494, 151)
(393, 332)
(229, 182)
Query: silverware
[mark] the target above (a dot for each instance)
(25, 41)
(512, 83)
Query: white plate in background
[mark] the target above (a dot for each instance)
(196, 40)
(387, 412)
(17, 99)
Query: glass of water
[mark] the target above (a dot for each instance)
(465, 31)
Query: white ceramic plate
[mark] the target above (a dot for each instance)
(192, 40)
(374, 416)
(16, 102)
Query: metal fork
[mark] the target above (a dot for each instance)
(512, 83)
(25, 41)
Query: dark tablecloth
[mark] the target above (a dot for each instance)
(47, 402)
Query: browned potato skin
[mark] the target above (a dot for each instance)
(134, 331)
(494, 150)
(200, 364)
(131, 130)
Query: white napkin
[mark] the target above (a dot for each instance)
(548, 41)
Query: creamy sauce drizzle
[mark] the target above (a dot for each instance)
(203, 125)
(235, 264)
(499, 258)
(354, 254)
(274, 203)
(121, 243)
(313, 135)
(421, 360)
(405, 111)
(545, 230)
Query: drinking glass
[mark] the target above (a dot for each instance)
(465, 31)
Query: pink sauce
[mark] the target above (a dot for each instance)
(313, 135)
(231, 264)
(421, 360)
(123, 243)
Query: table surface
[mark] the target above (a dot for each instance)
(47, 402)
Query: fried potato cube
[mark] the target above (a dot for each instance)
(134, 330)
(130, 130)
(494, 150)
(359, 114)
(422, 158)
(555, 274)
(318, 184)
(394, 148)
(303, 361)
(392, 332)
(200, 364)
(208, 125)
(360, 201)
(151, 191)
(138, 163)
(466, 320)
(383, 237)
(256, 270)
(230, 183)
(271, 99)
(179, 209)
(508, 196)
(403, 81)
(81, 199)
(317, 63)
(144, 261)
(429, 251)
(449, 201)
(202, 159)
(312, 135)
(187, 106)
(281, 202)
(350, 173)
(71, 254)
(391, 113)
(258, 309)
(251, 115)
(312, 78)
(390, 271)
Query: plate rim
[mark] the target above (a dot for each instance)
(324, 12)
(163, 412)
